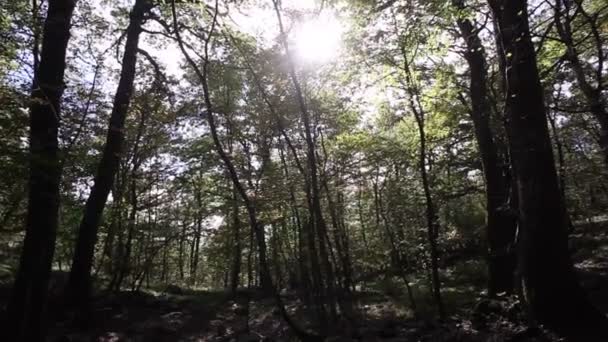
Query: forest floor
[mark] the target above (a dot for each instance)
(382, 314)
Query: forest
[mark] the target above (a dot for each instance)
(303, 170)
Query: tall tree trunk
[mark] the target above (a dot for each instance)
(125, 261)
(182, 240)
(561, 160)
(432, 220)
(316, 213)
(305, 283)
(305, 255)
(257, 227)
(109, 246)
(552, 291)
(276, 252)
(400, 261)
(79, 283)
(165, 267)
(26, 309)
(118, 252)
(339, 236)
(235, 274)
(501, 225)
(136, 161)
(345, 237)
(194, 255)
(250, 280)
(362, 220)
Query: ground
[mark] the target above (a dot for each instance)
(382, 313)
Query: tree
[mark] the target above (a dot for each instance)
(501, 225)
(592, 86)
(317, 223)
(244, 166)
(79, 284)
(432, 219)
(26, 310)
(552, 291)
(255, 225)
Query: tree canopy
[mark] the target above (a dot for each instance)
(443, 153)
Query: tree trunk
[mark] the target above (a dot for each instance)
(432, 220)
(125, 261)
(316, 214)
(194, 254)
(552, 291)
(236, 244)
(257, 227)
(182, 240)
(26, 309)
(592, 94)
(79, 283)
(165, 267)
(108, 246)
(400, 262)
(362, 220)
(501, 225)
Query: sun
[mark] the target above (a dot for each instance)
(318, 40)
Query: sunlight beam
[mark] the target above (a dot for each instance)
(318, 40)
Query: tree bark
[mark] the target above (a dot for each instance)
(316, 222)
(235, 274)
(500, 225)
(400, 260)
(432, 220)
(182, 240)
(26, 309)
(125, 262)
(552, 291)
(79, 283)
(195, 250)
